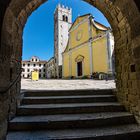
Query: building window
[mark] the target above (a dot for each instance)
(39, 70)
(23, 70)
(28, 65)
(44, 70)
(39, 75)
(36, 60)
(23, 75)
(44, 75)
(66, 19)
(39, 65)
(32, 59)
(44, 65)
(28, 76)
(28, 70)
(23, 65)
(34, 65)
(63, 17)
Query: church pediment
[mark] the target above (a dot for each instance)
(79, 58)
(78, 20)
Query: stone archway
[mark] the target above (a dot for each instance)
(124, 18)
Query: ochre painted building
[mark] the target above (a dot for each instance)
(89, 49)
(35, 75)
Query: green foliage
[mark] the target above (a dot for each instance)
(85, 77)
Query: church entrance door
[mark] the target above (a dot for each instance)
(79, 69)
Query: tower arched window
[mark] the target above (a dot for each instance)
(66, 19)
(63, 17)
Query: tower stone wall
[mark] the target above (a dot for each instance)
(62, 24)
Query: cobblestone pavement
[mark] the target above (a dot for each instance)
(66, 84)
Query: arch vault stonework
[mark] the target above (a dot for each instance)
(124, 18)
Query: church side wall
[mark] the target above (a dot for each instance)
(100, 63)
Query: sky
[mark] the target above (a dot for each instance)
(38, 35)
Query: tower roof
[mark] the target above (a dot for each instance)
(61, 7)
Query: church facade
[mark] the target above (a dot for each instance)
(90, 48)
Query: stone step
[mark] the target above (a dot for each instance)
(75, 108)
(68, 99)
(70, 121)
(33, 93)
(122, 132)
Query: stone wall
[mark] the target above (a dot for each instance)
(124, 18)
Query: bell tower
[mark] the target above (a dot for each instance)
(62, 24)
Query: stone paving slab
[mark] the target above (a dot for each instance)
(66, 84)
